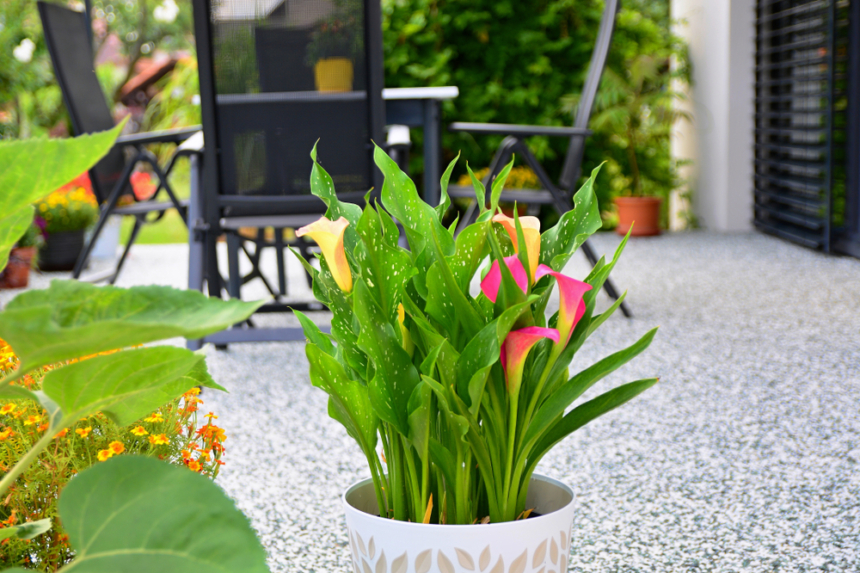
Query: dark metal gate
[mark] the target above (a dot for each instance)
(806, 157)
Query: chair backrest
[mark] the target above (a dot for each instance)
(68, 40)
(275, 77)
(573, 161)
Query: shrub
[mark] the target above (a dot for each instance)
(170, 434)
(72, 207)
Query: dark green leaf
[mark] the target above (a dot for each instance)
(314, 334)
(27, 530)
(499, 185)
(444, 199)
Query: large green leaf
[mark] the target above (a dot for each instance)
(139, 515)
(396, 376)
(565, 394)
(560, 242)
(27, 530)
(349, 403)
(585, 413)
(72, 319)
(322, 185)
(125, 385)
(32, 168)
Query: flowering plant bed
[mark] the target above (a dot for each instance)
(170, 433)
(465, 389)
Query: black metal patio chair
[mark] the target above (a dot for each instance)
(267, 97)
(560, 195)
(67, 35)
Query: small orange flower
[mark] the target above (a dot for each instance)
(211, 416)
(62, 433)
(8, 408)
(104, 455)
(5, 434)
(84, 432)
(192, 392)
(156, 417)
(186, 454)
(158, 440)
(32, 420)
(116, 447)
(139, 431)
(194, 466)
(42, 427)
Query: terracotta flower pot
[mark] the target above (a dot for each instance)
(644, 211)
(17, 272)
(534, 545)
(61, 250)
(333, 75)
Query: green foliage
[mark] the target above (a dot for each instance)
(515, 61)
(414, 359)
(339, 35)
(190, 525)
(32, 237)
(23, 182)
(67, 210)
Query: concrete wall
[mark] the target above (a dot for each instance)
(721, 35)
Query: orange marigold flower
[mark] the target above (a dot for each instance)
(156, 417)
(204, 456)
(186, 454)
(42, 427)
(62, 433)
(104, 455)
(192, 392)
(194, 466)
(116, 447)
(32, 420)
(19, 413)
(219, 462)
(5, 434)
(139, 431)
(158, 440)
(10, 407)
(211, 417)
(84, 432)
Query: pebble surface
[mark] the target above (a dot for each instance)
(745, 457)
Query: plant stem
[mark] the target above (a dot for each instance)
(509, 460)
(25, 462)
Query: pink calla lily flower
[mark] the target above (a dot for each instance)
(516, 349)
(493, 281)
(571, 307)
(329, 236)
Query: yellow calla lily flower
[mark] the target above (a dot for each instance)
(329, 236)
(531, 234)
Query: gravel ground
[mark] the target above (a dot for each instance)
(746, 456)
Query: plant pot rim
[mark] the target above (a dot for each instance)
(530, 522)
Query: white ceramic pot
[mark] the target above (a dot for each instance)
(535, 545)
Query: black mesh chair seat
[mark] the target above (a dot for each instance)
(67, 35)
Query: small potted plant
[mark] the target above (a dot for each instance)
(455, 394)
(335, 45)
(639, 109)
(64, 217)
(21, 259)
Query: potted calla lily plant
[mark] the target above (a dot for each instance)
(444, 367)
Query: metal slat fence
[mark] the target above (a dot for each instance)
(800, 102)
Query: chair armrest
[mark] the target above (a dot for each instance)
(520, 130)
(165, 136)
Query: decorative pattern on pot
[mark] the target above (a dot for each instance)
(536, 545)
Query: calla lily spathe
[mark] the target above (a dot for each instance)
(408, 344)
(571, 306)
(493, 281)
(531, 234)
(516, 349)
(329, 236)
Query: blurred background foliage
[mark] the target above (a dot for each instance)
(514, 61)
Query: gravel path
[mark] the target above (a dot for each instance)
(746, 457)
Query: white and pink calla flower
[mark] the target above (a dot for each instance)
(516, 349)
(531, 235)
(571, 305)
(493, 281)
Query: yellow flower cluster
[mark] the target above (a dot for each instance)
(68, 210)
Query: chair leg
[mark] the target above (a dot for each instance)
(84, 257)
(608, 286)
(282, 269)
(134, 231)
(234, 280)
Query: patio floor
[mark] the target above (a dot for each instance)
(746, 456)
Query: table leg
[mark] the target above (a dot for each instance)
(432, 151)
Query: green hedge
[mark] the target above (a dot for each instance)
(514, 61)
